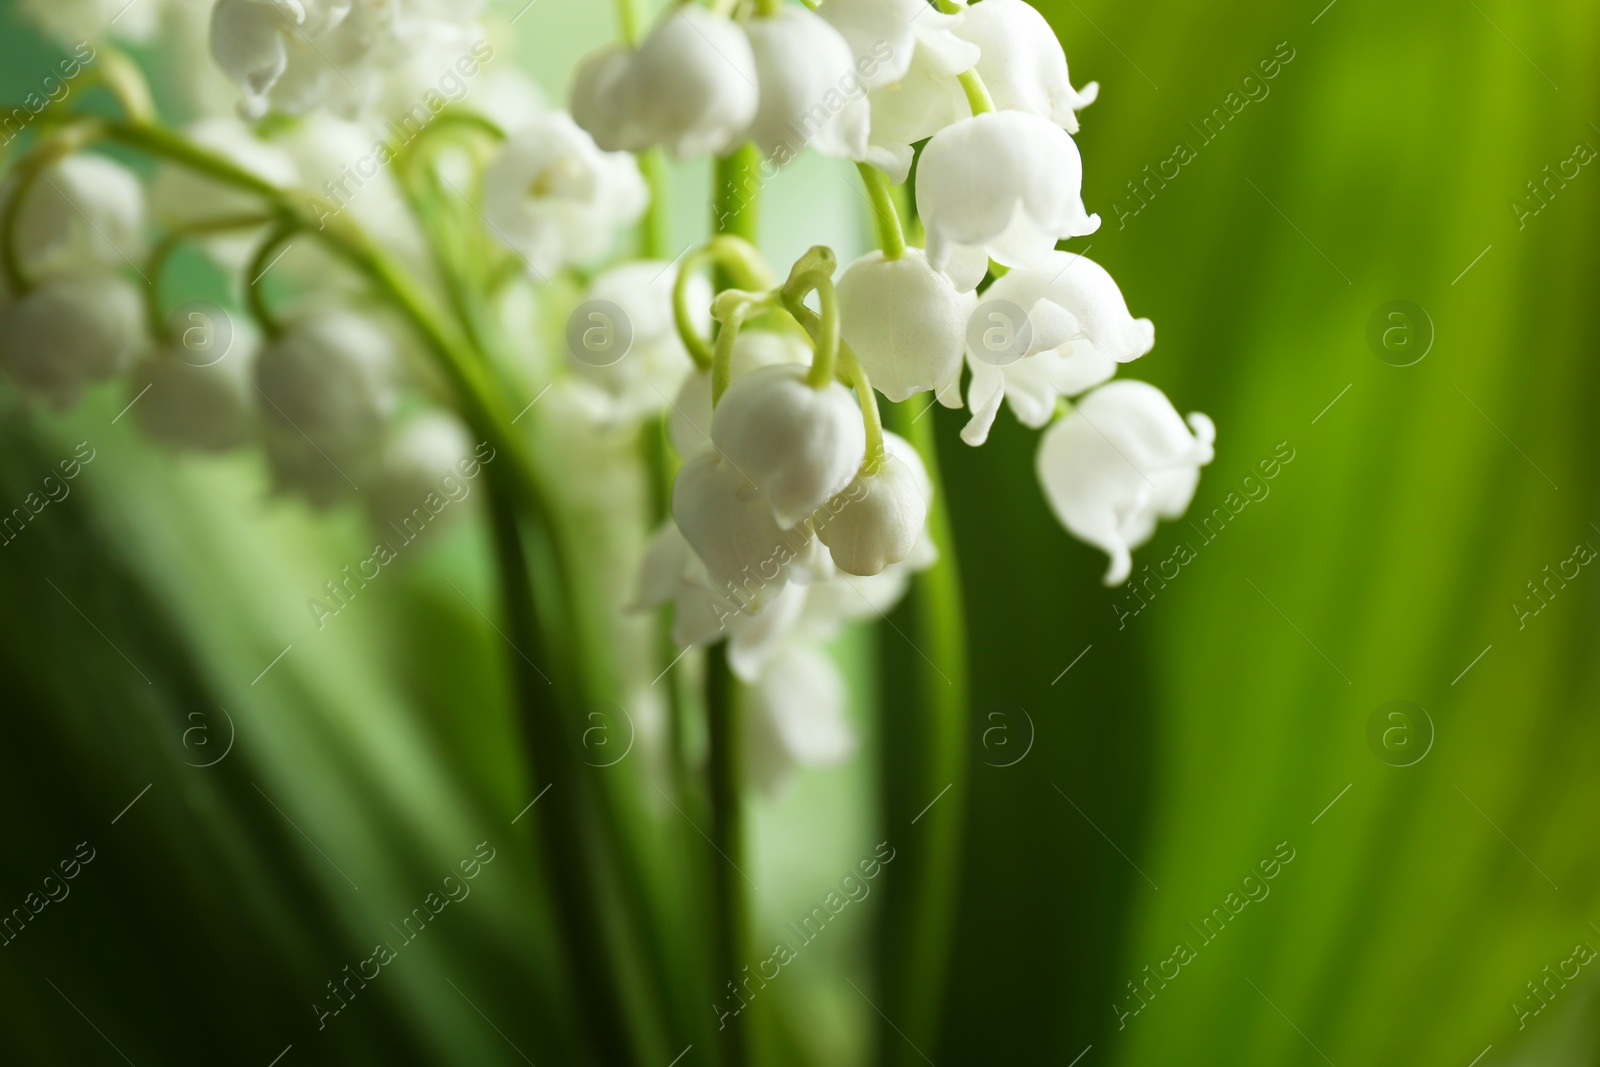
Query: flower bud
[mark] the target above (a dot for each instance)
(810, 93)
(556, 199)
(797, 719)
(207, 408)
(82, 211)
(1003, 185)
(1022, 63)
(797, 444)
(330, 377)
(69, 331)
(416, 474)
(1118, 463)
(691, 87)
(730, 526)
(689, 426)
(879, 517)
(642, 362)
(905, 322)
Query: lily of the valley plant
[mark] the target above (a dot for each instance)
(433, 266)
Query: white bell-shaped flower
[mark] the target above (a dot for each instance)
(1003, 185)
(639, 361)
(271, 50)
(810, 93)
(797, 444)
(85, 210)
(671, 571)
(1077, 328)
(555, 198)
(330, 377)
(690, 86)
(195, 400)
(731, 527)
(905, 322)
(689, 426)
(417, 473)
(908, 56)
(181, 196)
(886, 35)
(797, 718)
(70, 331)
(879, 517)
(1023, 65)
(1119, 462)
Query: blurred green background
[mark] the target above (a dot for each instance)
(1225, 724)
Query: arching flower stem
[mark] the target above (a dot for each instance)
(978, 97)
(734, 258)
(731, 308)
(885, 218)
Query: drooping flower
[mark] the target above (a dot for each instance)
(1022, 64)
(418, 466)
(1003, 185)
(809, 91)
(639, 362)
(905, 322)
(908, 57)
(797, 445)
(69, 331)
(879, 517)
(690, 87)
(1119, 462)
(294, 56)
(689, 426)
(204, 405)
(1073, 329)
(329, 378)
(796, 711)
(85, 210)
(557, 199)
(732, 529)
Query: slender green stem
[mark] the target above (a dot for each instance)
(885, 219)
(738, 178)
(927, 757)
(725, 725)
(561, 816)
(851, 370)
(653, 227)
(450, 121)
(978, 97)
(733, 306)
(255, 293)
(768, 8)
(736, 260)
(156, 264)
(827, 351)
(28, 169)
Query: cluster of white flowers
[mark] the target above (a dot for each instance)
(793, 512)
(979, 96)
